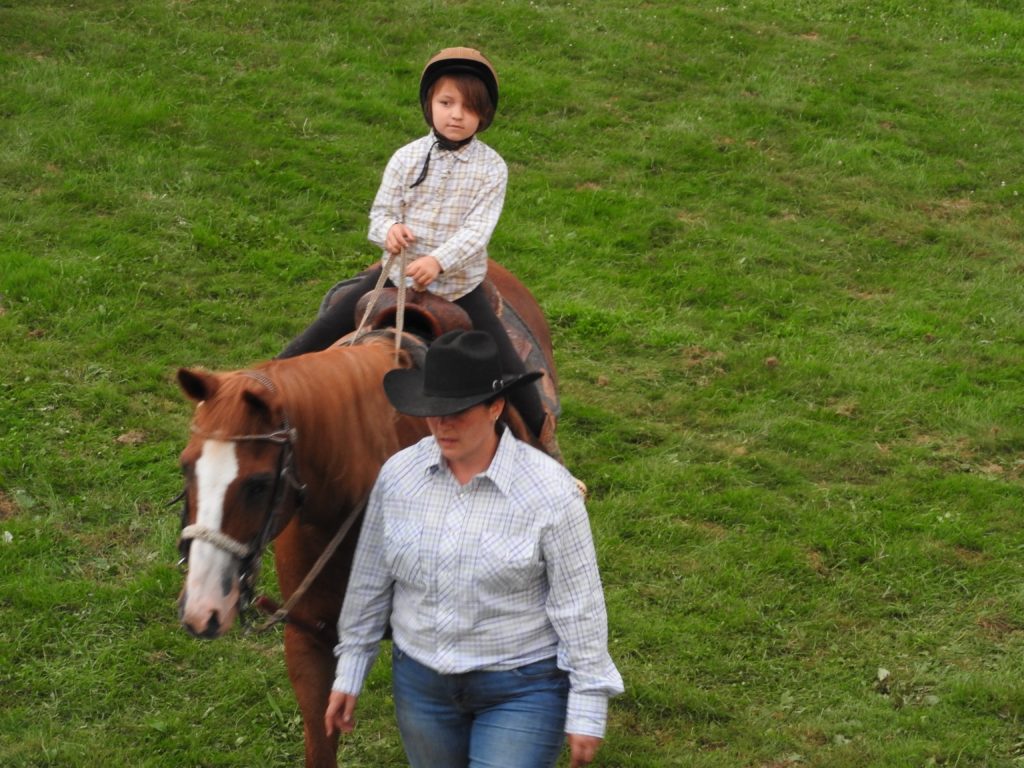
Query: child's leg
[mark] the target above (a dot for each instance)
(335, 322)
(525, 398)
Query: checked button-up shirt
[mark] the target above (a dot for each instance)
(453, 213)
(491, 575)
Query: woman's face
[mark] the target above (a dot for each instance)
(452, 118)
(467, 438)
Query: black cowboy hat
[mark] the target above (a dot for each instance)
(462, 369)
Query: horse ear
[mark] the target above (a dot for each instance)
(257, 402)
(411, 357)
(198, 385)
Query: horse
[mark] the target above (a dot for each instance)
(287, 452)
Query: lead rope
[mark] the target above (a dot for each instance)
(281, 614)
(378, 289)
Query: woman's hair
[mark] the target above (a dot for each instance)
(473, 91)
(503, 416)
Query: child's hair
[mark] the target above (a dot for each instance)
(473, 91)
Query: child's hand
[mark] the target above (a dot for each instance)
(399, 237)
(423, 272)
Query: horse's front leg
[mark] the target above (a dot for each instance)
(311, 669)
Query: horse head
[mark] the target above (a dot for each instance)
(240, 491)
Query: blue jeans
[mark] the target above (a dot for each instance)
(512, 719)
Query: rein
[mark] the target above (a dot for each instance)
(375, 295)
(281, 613)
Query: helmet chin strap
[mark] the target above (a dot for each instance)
(444, 143)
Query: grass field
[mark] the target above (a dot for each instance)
(780, 246)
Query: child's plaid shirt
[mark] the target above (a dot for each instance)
(452, 213)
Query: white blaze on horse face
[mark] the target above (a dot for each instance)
(212, 583)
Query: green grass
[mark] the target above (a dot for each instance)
(779, 244)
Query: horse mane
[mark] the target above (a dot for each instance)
(345, 428)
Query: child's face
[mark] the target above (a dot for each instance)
(452, 118)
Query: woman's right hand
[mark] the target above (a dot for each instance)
(398, 237)
(341, 713)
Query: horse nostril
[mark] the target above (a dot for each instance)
(212, 626)
(209, 632)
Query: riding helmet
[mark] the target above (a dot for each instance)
(458, 61)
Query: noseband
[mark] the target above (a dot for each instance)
(250, 554)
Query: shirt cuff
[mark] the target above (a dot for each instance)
(351, 673)
(446, 258)
(587, 714)
(379, 236)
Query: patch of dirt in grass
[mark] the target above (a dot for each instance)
(949, 209)
(845, 408)
(691, 218)
(703, 362)
(713, 530)
(816, 560)
(711, 745)
(787, 763)
(999, 626)
(730, 449)
(132, 437)
(861, 295)
(8, 507)
(958, 556)
(961, 454)
(813, 737)
(698, 355)
(969, 556)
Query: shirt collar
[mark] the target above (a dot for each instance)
(500, 472)
(432, 455)
(464, 153)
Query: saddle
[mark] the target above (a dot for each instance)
(428, 316)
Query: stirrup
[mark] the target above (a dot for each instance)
(547, 441)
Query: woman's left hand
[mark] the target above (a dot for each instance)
(583, 749)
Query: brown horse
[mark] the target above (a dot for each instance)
(288, 451)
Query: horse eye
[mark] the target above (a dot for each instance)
(256, 488)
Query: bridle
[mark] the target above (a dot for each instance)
(250, 554)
